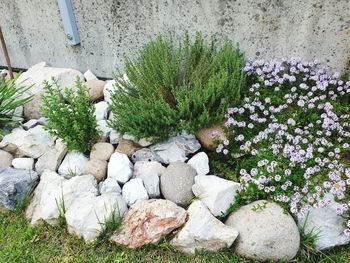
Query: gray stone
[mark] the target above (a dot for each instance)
(101, 110)
(53, 191)
(200, 162)
(30, 124)
(176, 148)
(108, 89)
(101, 151)
(325, 222)
(203, 232)
(146, 154)
(110, 185)
(86, 216)
(266, 232)
(119, 167)
(215, 192)
(15, 186)
(176, 182)
(23, 163)
(52, 159)
(133, 191)
(73, 164)
(114, 137)
(32, 143)
(5, 159)
(147, 222)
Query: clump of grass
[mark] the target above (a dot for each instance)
(110, 223)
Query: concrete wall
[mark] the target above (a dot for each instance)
(110, 29)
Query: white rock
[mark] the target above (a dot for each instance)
(43, 121)
(110, 185)
(30, 124)
(52, 159)
(36, 75)
(133, 191)
(32, 143)
(103, 127)
(101, 110)
(88, 75)
(86, 216)
(53, 190)
(73, 164)
(120, 167)
(108, 89)
(203, 232)
(266, 232)
(18, 114)
(115, 137)
(200, 162)
(23, 163)
(145, 142)
(176, 148)
(215, 192)
(327, 224)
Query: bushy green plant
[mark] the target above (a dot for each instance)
(11, 97)
(70, 117)
(173, 87)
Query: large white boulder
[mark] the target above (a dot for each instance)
(23, 163)
(133, 191)
(36, 75)
(32, 143)
(203, 232)
(86, 216)
(147, 222)
(266, 232)
(73, 164)
(325, 222)
(215, 192)
(200, 162)
(53, 191)
(120, 167)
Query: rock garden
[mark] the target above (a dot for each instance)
(191, 146)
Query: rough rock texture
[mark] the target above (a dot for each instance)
(101, 110)
(73, 164)
(23, 163)
(265, 233)
(120, 167)
(5, 159)
(89, 75)
(101, 151)
(32, 143)
(86, 216)
(203, 232)
(176, 148)
(146, 154)
(53, 190)
(133, 191)
(114, 137)
(110, 185)
(176, 182)
(148, 221)
(108, 88)
(96, 168)
(52, 159)
(104, 128)
(128, 147)
(205, 137)
(35, 76)
(15, 186)
(328, 224)
(30, 124)
(200, 162)
(95, 87)
(215, 192)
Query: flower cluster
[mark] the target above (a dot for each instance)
(292, 130)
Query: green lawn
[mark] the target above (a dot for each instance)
(21, 243)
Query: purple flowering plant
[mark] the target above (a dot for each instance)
(289, 136)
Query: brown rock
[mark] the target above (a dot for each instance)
(96, 168)
(205, 137)
(5, 159)
(101, 151)
(128, 147)
(95, 87)
(148, 221)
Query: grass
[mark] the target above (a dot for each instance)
(21, 243)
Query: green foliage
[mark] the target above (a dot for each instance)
(11, 97)
(174, 87)
(111, 223)
(70, 117)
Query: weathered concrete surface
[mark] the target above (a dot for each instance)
(109, 29)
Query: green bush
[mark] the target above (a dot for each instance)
(70, 117)
(11, 97)
(174, 87)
